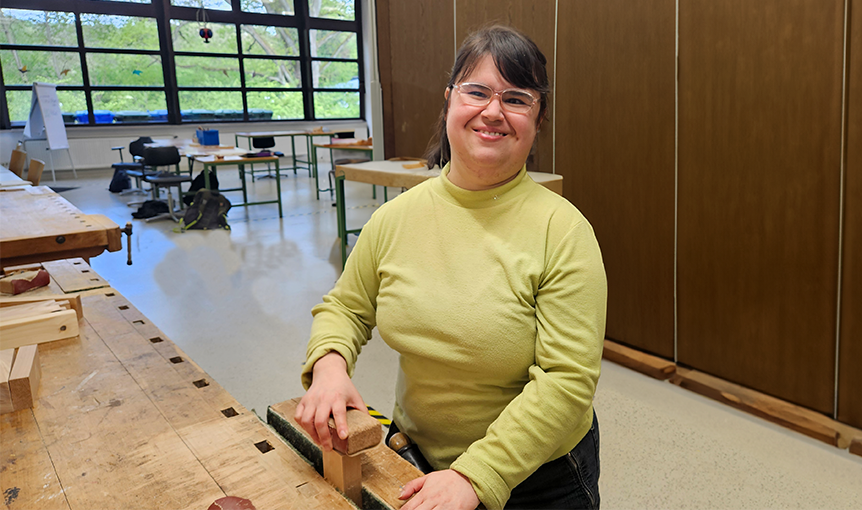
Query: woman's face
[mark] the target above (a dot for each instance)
(489, 145)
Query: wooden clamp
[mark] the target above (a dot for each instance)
(342, 466)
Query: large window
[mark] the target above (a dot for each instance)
(175, 61)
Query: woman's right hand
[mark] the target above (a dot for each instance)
(331, 393)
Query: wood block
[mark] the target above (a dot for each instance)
(25, 376)
(345, 473)
(384, 472)
(7, 356)
(769, 408)
(363, 432)
(22, 282)
(38, 329)
(646, 364)
(856, 446)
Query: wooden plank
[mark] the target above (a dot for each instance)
(413, 87)
(30, 309)
(850, 332)
(74, 275)
(25, 376)
(384, 472)
(760, 130)
(615, 150)
(39, 329)
(29, 480)
(856, 446)
(223, 442)
(653, 366)
(344, 472)
(73, 302)
(7, 356)
(783, 413)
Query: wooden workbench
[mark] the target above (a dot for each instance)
(124, 419)
(8, 178)
(37, 224)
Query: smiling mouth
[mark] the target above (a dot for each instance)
(489, 133)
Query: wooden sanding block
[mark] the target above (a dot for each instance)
(363, 432)
(21, 282)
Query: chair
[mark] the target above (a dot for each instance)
(136, 168)
(266, 142)
(17, 162)
(34, 174)
(164, 156)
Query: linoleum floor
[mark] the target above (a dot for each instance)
(238, 303)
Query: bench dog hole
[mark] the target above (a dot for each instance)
(156, 339)
(200, 383)
(124, 307)
(177, 359)
(138, 322)
(230, 412)
(264, 446)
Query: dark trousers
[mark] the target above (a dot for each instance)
(568, 483)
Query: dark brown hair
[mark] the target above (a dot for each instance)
(519, 61)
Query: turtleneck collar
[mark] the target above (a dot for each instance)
(479, 199)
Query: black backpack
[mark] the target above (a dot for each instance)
(198, 183)
(208, 211)
(120, 181)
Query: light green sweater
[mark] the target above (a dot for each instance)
(495, 301)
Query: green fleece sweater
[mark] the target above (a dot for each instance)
(495, 301)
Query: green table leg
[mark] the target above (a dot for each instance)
(293, 153)
(314, 165)
(342, 220)
(241, 167)
(278, 185)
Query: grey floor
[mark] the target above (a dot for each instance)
(239, 303)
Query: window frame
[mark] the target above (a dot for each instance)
(163, 12)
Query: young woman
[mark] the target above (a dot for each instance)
(492, 290)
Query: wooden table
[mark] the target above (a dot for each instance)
(346, 145)
(9, 179)
(37, 224)
(124, 419)
(213, 162)
(394, 174)
(309, 138)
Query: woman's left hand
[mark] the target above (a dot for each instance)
(443, 490)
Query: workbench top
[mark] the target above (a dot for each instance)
(124, 419)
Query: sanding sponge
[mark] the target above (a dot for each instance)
(17, 283)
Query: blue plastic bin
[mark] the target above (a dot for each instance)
(158, 115)
(207, 136)
(102, 116)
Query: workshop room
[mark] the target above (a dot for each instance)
(279, 254)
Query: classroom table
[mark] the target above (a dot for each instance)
(123, 418)
(399, 174)
(37, 224)
(307, 134)
(344, 145)
(213, 162)
(8, 178)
